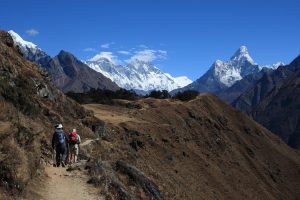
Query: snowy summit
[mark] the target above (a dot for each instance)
(240, 65)
(137, 75)
(24, 45)
(223, 74)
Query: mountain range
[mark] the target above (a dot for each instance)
(224, 74)
(74, 75)
(65, 70)
(137, 75)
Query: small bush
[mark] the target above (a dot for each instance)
(14, 166)
(164, 94)
(102, 96)
(186, 95)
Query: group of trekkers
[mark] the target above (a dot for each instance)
(65, 146)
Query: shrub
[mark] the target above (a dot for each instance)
(102, 96)
(164, 94)
(186, 95)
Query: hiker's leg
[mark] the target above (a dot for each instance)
(72, 157)
(68, 154)
(57, 156)
(76, 153)
(72, 153)
(64, 153)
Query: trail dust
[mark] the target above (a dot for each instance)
(62, 184)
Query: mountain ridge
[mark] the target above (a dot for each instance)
(273, 102)
(66, 71)
(223, 74)
(137, 75)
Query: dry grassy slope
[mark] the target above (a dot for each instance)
(202, 149)
(30, 106)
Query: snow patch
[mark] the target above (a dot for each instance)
(19, 40)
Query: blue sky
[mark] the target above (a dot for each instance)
(183, 37)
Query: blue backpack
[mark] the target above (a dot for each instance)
(60, 136)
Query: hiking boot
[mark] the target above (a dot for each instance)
(54, 165)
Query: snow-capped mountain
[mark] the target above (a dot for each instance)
(240, 65)
(30, 50)
(65, 70)
(24, 45)
(223, 74)
(137, 75)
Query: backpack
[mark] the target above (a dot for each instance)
(60, 137)
(73, 138)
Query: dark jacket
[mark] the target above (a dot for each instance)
(58, 137)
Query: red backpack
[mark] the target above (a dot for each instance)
(73, 137)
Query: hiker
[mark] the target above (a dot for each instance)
(74, 141)
(59, 145)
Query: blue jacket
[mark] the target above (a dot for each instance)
(58, 137)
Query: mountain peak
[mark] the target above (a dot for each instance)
(65, 56)
(64, 53)
(243, 50)
(242, 55)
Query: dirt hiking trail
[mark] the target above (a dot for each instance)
(68, 182)
(62, 184)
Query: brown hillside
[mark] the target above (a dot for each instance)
(30, 107)
(202, 149)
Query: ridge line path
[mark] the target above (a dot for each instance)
(61, 184)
